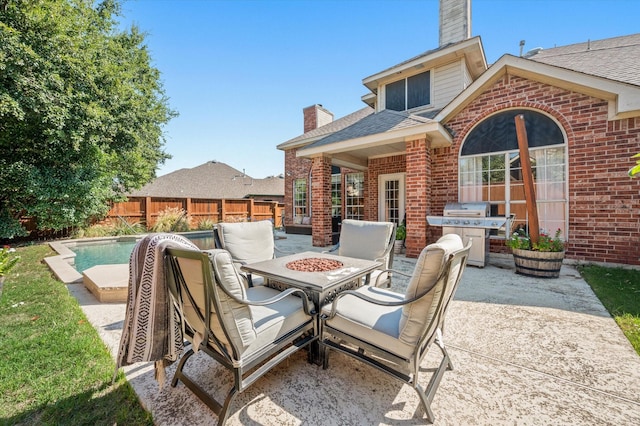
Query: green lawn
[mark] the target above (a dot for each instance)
(619, 291)
(54, 368)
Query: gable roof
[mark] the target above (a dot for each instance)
(211, 180)
(470, 48)
(616, 58)
(623, 97)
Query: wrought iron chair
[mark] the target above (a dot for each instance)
(393, 332)
(247, 242)
(247, 330)
(368, 240)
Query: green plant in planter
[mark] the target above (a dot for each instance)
(401, 232)
(7, 260)
(546, 243)
(542, 259)
(635, 170)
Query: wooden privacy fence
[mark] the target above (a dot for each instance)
(146, 210)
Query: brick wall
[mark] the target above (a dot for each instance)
(321, 201)
(604, 203)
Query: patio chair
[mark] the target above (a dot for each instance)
(368, 240)
(393, 332)
(247, 242)
(247, 330)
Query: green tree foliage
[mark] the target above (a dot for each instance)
(81, 112)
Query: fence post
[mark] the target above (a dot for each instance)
(147, 212)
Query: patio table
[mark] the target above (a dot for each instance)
(320, 286)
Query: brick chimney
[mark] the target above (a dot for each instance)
(455, 21)
(316, 116)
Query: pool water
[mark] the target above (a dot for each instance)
(115, 252)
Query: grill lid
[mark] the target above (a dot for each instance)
(466, 209)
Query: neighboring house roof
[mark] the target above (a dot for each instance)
(211, 180)
(616, 58)
(327, 129)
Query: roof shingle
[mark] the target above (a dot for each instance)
(613, 58)
(211, 180)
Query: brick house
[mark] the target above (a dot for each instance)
(439, 127)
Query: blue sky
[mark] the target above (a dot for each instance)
(240, 72)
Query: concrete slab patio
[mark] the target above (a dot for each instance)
(525, 351)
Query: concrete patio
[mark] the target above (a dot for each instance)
(525, 351)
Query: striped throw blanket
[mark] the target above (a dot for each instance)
(151, 330)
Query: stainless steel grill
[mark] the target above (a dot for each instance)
(472, 222)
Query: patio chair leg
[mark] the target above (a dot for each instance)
(325, 356)
(426, 404)
(179, 374)
(224, 412)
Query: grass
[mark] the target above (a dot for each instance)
(54, 368)
(619, 291)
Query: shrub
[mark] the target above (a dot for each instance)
(128, 227)
(172, 219)
(206, 224)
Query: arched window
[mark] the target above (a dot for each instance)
(490, 168)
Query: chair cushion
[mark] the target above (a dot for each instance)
(415, 316)
(236, 317)
(374, 324)
(364, 239)
(248, 242)
(273, 321)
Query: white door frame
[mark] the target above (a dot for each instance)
(382, 179)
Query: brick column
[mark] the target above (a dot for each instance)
(321, 201)
(418, 195)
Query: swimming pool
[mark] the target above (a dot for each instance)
(117, 251)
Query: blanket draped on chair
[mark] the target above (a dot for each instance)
(151, 329)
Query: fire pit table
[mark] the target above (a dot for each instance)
(321, 275)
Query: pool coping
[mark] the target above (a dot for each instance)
(62, 264)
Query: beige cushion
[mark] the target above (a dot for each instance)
(275, 320)
(365, 239)
(375, 324)
(248, 242)
(249, 327)
(415, 316)
(235, 316)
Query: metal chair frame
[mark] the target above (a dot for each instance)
(404, 369)
(246, 369)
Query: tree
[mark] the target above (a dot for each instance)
(81, 112)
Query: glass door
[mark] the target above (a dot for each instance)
(391, 198)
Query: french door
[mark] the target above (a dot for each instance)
(391, 197)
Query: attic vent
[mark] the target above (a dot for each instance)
(533, 52)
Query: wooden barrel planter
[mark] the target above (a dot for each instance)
(543, 264)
